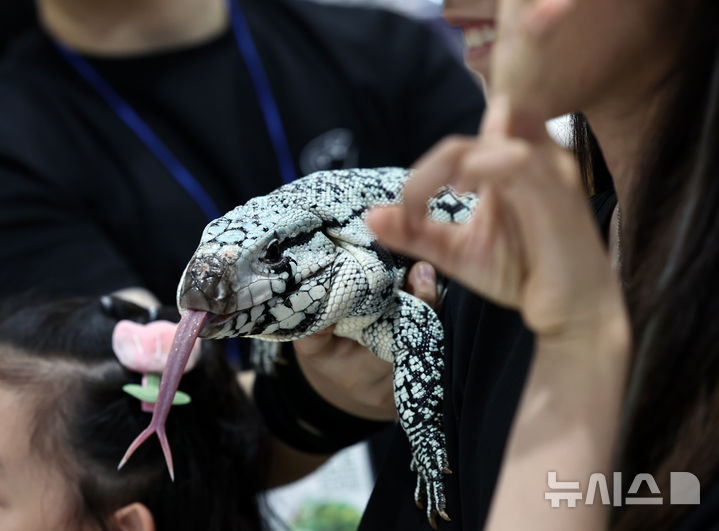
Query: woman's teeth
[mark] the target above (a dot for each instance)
(478, 37)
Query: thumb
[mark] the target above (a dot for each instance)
(422, 282)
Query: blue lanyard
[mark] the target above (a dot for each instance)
(267, 102)
(179, 172)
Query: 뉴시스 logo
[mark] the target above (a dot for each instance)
(684, 489)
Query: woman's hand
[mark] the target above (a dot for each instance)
(347, 374)
(532, 243)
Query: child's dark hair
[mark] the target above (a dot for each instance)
(59, 355)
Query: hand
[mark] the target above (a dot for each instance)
(347, 374)
(532, 243)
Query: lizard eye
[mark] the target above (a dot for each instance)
(272, 253)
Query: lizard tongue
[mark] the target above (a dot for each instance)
(187, 331)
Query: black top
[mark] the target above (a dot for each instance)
(705, 516)
(85, 208)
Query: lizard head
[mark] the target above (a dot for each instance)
(260, 270)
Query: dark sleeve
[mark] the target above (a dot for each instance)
(437, 93)
(51, 242)
(298, 416)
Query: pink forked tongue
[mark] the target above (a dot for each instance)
(187, 331)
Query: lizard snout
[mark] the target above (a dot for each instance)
(204, 286)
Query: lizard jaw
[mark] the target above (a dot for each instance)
(223, 288)
(218, 320)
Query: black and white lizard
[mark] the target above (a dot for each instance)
(293, 262)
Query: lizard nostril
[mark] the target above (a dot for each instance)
(203, 285)
(206, 269)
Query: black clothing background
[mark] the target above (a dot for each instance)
(704, 517)
(488, 354)
(15, 17)
(85, 208)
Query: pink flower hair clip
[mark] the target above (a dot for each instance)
(144, 349)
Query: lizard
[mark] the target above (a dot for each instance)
(300, 259)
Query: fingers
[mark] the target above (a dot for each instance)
(422, 282)
(493, 162)
(390, 226)
(462, 161)
(440, 244)
(433, 171)
(347, 375)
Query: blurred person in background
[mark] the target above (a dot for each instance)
(126, 127)
(16, 16)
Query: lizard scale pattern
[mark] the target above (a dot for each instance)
(293, 262)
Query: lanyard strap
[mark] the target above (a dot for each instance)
(127, 114)
(147, 136)
(263, 90)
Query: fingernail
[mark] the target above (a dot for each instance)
(426, 274)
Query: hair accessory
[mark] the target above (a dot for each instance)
(144, 349)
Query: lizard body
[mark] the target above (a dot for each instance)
(293, 262)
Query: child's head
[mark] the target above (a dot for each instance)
(65, 423)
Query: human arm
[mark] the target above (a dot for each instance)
(286, 464)
(567, 422)
(532, 245)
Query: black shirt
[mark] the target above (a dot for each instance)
(86, 208)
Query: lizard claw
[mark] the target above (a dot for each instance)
(431, 492)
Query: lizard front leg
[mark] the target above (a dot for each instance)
(410, 334)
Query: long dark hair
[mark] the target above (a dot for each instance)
(85, 421)
(671, 273)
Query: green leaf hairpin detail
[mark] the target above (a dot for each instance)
(144, 349)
